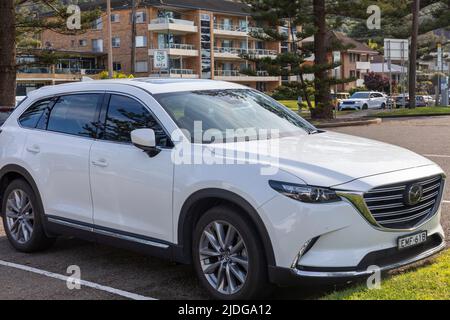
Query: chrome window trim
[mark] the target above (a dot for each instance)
(146, 107)
(107, 233)
(53, 96)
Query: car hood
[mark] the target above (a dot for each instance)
(329, 159)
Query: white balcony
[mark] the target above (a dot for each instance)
(230, 30)
(235, 53)
(175, 26)
(236, 76)
(361, 65)
(177, 49)
(176, 73)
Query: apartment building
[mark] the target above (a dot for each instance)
(203, 39)
(355, 60)
(68, 66)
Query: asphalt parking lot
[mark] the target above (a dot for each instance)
(118, 274)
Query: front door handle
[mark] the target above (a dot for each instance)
(100, 163)
(34, 149)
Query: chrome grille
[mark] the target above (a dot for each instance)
(390, 210)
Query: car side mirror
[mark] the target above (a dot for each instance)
(145, 140)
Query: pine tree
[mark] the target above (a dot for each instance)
(294, 22)
(22, 22)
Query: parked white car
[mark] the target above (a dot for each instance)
(106, 161)
(364, 100)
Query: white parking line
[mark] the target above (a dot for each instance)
(436, 155)
(89, 284)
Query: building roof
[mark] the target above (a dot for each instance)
(225, 6)
(344, 40)
(355, 46)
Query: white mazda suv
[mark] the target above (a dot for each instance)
(214, 174)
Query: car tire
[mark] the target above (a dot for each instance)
(383, 106)
(365, 107)
(226, 275)
(22, 218)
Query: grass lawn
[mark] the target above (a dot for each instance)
(292, 104)
(431, 282)
(414, 112)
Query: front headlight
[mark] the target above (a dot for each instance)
(305, 193)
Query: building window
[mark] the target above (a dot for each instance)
(98, 24)
(140, 17)
(352, 74)
(116, 42)
(97, 45)
(141, 41)
(82, 42)
(115, 17)
(72, 43)
(141, 66)
(117, 66)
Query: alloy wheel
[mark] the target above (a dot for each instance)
(223, 257)
(19, 215)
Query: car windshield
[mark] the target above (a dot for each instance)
(230, 113)
(360, 95)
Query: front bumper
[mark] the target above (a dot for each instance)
(384, 260)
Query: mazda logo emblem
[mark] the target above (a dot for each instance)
(413, 194)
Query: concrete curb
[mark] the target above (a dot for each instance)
(414, 116)
(350, 123)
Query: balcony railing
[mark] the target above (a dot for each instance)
(237, 73)
(77, 71)
(238, 51)
(180, 46)
(181, 71)
(173, 21)
(34, 70)
(175, 71)
(235, 51)
(230, 27)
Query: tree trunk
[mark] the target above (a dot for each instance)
(7, 55)
(294, 48)
(413, 53)
(323, 108)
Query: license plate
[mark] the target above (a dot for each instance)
(412, 240)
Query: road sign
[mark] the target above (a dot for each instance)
(396, 49)
(161, 59)
(439, 57)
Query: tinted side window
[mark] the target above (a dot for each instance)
(75, 114)
(31, 117)
(125, 115)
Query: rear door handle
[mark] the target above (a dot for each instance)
(34, 149)
(100, 163)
